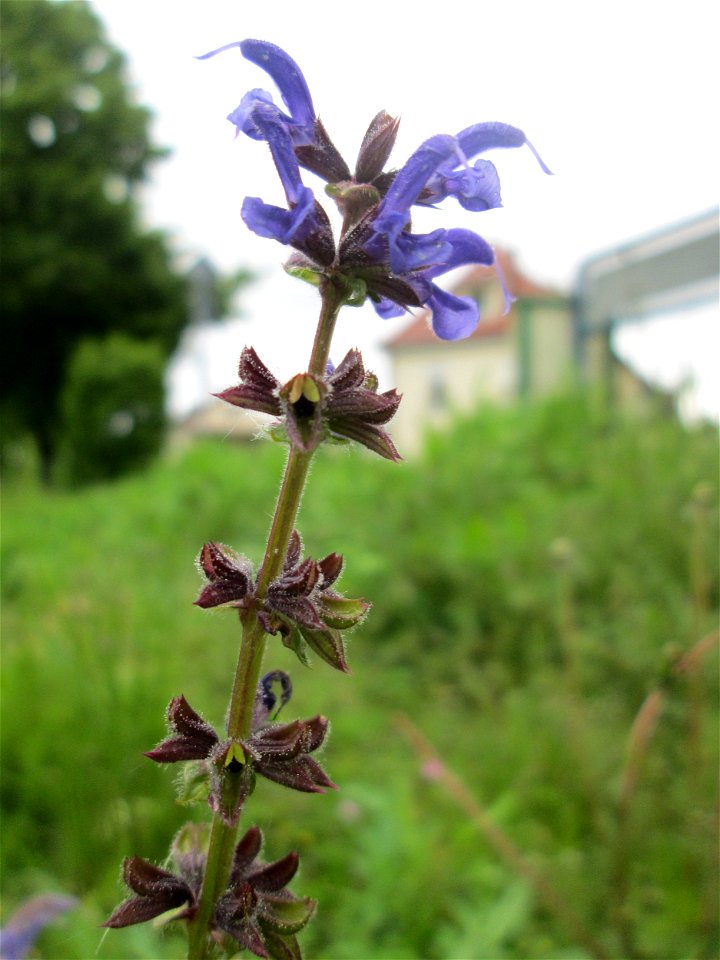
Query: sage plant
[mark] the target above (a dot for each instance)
(226, 895)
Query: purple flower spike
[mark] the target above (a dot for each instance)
(439, 168)
(378, 254)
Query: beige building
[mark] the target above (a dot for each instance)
(527, 351)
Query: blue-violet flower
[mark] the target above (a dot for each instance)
(377, 256)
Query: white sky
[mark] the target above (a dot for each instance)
(619, 97)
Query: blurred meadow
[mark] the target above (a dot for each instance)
(526, 748)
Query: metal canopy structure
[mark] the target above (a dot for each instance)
(668, 270)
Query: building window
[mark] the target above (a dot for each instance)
(438, 395)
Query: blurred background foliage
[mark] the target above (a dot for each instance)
(112, 408)
(76, 262)
(545, 593)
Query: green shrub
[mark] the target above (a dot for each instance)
(112, 403)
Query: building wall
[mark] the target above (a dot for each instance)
(438, 381)
(618, 383)
(550, 348)
(531, 357)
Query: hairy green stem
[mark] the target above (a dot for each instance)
(252, 646)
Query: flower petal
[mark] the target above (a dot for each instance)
(287, 75)
(195, 738)
(278, 138)
(243, 116)
(476, 188)
(270, 221)
(304, 225)
(247, 849)
(410, 180)
(158, 891)
(453, 318)
(387, 309)
(463, 247)
(269, 877)
(488, 136)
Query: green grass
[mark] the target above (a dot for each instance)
(534, 577)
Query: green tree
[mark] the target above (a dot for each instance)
(75, 262)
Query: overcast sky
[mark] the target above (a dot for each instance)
(619, 98)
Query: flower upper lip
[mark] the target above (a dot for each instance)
(289, 79)
(290, 82)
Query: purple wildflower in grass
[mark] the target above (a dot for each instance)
(19, 934)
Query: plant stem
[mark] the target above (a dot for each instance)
(641, 732)
(638, 741)
(551, 898)
(252, 647)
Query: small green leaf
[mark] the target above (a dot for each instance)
(281, 948)
(356, 291)
(303, 273)
(343, 612)
(328, 645)
(192, 785)
(294, 641)
(191, 838)
(289, 916)
(278, 433)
